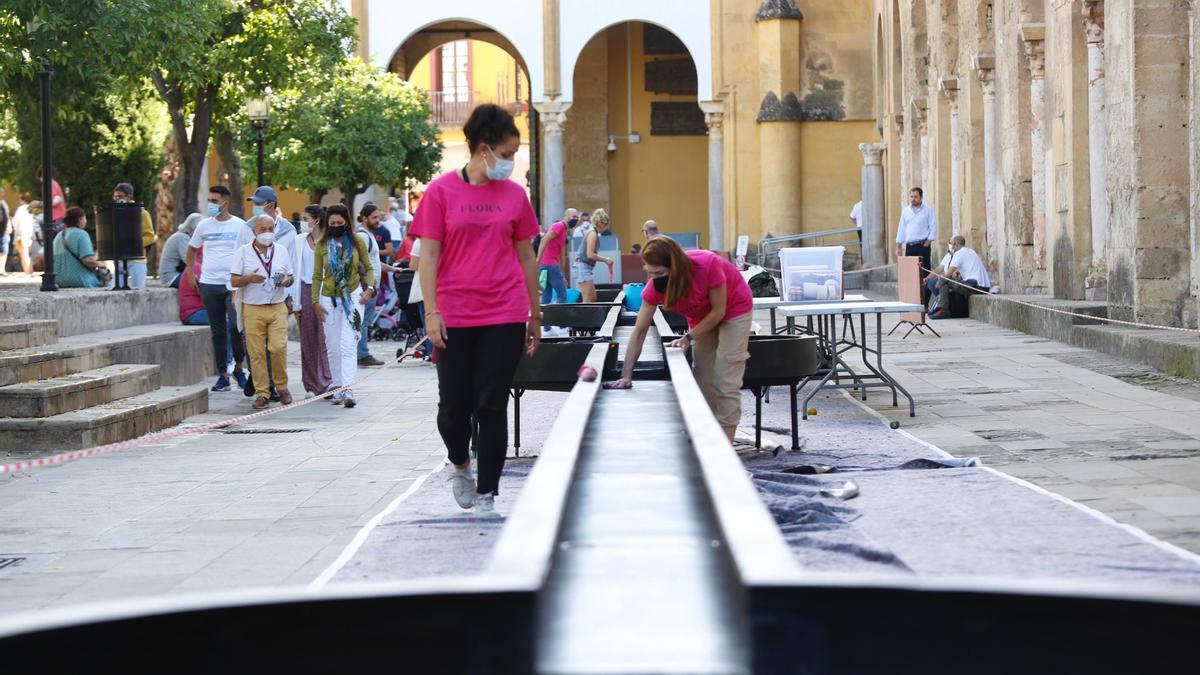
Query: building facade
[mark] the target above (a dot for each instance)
(723, 117)
(1059, 137)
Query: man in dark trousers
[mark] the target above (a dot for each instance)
(917, 232)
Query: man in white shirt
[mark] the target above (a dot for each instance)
(263, 271)
(217, 236)
(969, 274)
(396, 222)
(917, 231)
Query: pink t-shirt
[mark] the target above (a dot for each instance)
(189, 295)
(479, 278)
(709, 271)
(555, 246)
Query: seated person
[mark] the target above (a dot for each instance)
(932, 279)
(191, 307)
(969, 275)
(75, 261)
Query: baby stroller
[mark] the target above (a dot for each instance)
(391, 322)
(399, 320)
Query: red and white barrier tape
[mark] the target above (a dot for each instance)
(66, 457)
(1105, 319)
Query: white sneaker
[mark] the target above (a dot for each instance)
(463, 486)
(485, 507)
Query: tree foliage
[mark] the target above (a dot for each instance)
(361, 127)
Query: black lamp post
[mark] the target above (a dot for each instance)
(258, 109)
(49, 279)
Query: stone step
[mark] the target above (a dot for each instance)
(108, 423)
(26, 334)
(45, 398)
(184, 354)
(85, 310)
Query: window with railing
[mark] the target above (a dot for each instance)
(452, 96)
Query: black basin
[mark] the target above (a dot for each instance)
(780, 360)
(577, 316)
(607, 292)
(555, 366)
(676, 321)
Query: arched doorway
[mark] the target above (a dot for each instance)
(635, 142)
(462, 64)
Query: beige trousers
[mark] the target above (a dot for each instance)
(267, 329)
(719, 361)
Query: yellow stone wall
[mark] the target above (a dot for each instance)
(489, 66)
(664, 178)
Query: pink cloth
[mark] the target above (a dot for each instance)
(479, 277)
(709, 271)
(555, 247)
(189, 295)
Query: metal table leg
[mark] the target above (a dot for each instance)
(912, 405)
(795, 425)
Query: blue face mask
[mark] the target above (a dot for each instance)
(259, 209)
(214, 210)
(502, 169)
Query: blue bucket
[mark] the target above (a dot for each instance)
(633, 297)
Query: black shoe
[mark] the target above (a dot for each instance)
(248, 388)
(369, 361)
(274, 395)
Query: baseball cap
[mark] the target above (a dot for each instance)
(264, 194)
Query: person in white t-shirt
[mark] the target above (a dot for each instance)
(969, 275)
(216, 239)
(396, 222)
(263, 271)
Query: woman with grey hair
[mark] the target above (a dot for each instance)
(174, 254)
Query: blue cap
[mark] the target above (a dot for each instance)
(264, 194)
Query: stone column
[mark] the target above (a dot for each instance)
(550, 51)
(949, 87)
(714, 116)
(985, 67)
(1093, 25)
(874, 230)
(1033, 35)
(1148, 181)
(551, 117)
(924, 172)
(906, 181)
(1191, 312)
(779, 116)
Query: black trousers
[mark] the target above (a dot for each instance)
(475, 373)
(222, 320)
(921, 250)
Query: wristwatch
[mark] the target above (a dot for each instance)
(690, 338)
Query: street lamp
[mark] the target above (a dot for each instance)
(49, 279)
(258, 109)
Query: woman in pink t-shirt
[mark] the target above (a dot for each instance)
(479, 279)
(710, 292)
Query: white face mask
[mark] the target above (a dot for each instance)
(265, 238)
(502, 169)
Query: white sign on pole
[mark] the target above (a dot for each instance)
(743, 245)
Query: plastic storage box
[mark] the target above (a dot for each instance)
(812, 274)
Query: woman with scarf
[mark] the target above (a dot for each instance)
(342, 280)
(479, 280)
(314, 355)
